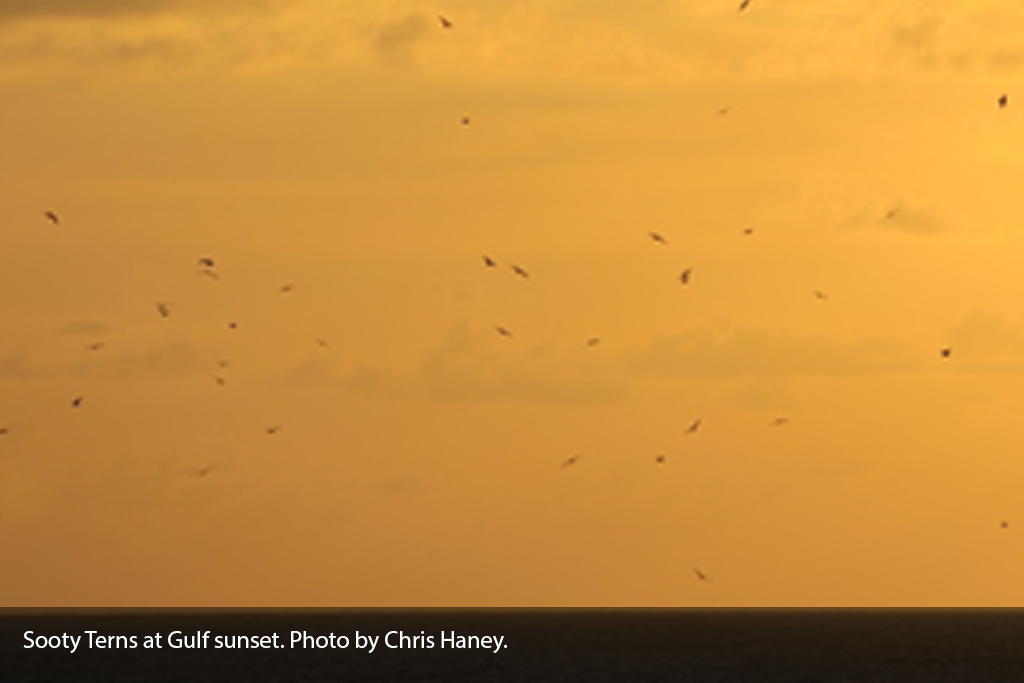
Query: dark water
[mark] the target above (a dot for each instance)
(768, 646)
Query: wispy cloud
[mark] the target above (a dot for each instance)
(770, 353)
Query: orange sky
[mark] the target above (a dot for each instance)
(318, 143)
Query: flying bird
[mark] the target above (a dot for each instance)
(692, 429)
(744, 5)
(212, 274)
(685, 277)
(946, 352)
(206, 262)
(1004, 100)
(52, 217)
(220, 381)
(780, 421)
(657, 237)
(464, 120)
(163, 309)
(1004, 524)
(571, 461)
(518, 270)
(202, 472)
(3, 431)
(223, 363)
(77, 401)
(660, 459)
(445, 23)
(723, 111)
(322, 343)
(273, 430)
(504, 332)
(820, 295)
(95, 347)
(701, 576)
(593, 341)
(891, 214)
(285, 289)
(489, 262)
(232, 325)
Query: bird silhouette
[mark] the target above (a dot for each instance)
(518, 270)
(164, 309)
(212, 274)
(694, 426)
(77, 401)
(223, 363)
(820, 295)
(569, 462)
(52, 217)
(232, 325)
(489, 262)
(744, 5)
(464, 120)
(658, 237)
(748, 231)
(220, 380)
(322, 343)
(204, 471)
(1004, 524)
(685, 277)
(946, 352)
(1004, 100)
(724, 110)
(780, 421)
(504, 332)
(660, 459)
(206, 262)
(701, 576)
(445, 23)
(593, 341)
(273, 430)
(95, 347)
(285, 289)
(3, 431)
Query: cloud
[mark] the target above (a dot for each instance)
(174, 359)
(17, 9)
(17, 366)
(768, 353)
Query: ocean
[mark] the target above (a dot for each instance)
(408, 646)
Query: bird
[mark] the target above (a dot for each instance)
(946, 352)
(212, 274)
(518, 270)
(321, 342)
(891, 214)
(489, 262)
(748, 231)
(285, 289)
(220, 380)
(464, 120)
(780, 421)
(820, 295)
(701, 576)
(77, 401)
(223, 363)
(232, 325)
(685, 277)
(273, 430)
(4, 431)
(164, 309)
(1004, 100)
(445, 22)
(1004, 524)
(52, 217)
(593, 341)
(744, 5)
(206, 262)
(692, 429)
(723, 111)
(504, 332)
(569, 462)
(95, 347)
(660, 459)
(657, 237)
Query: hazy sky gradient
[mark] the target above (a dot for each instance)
(318, 143)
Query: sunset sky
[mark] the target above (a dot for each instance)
(319, 143)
